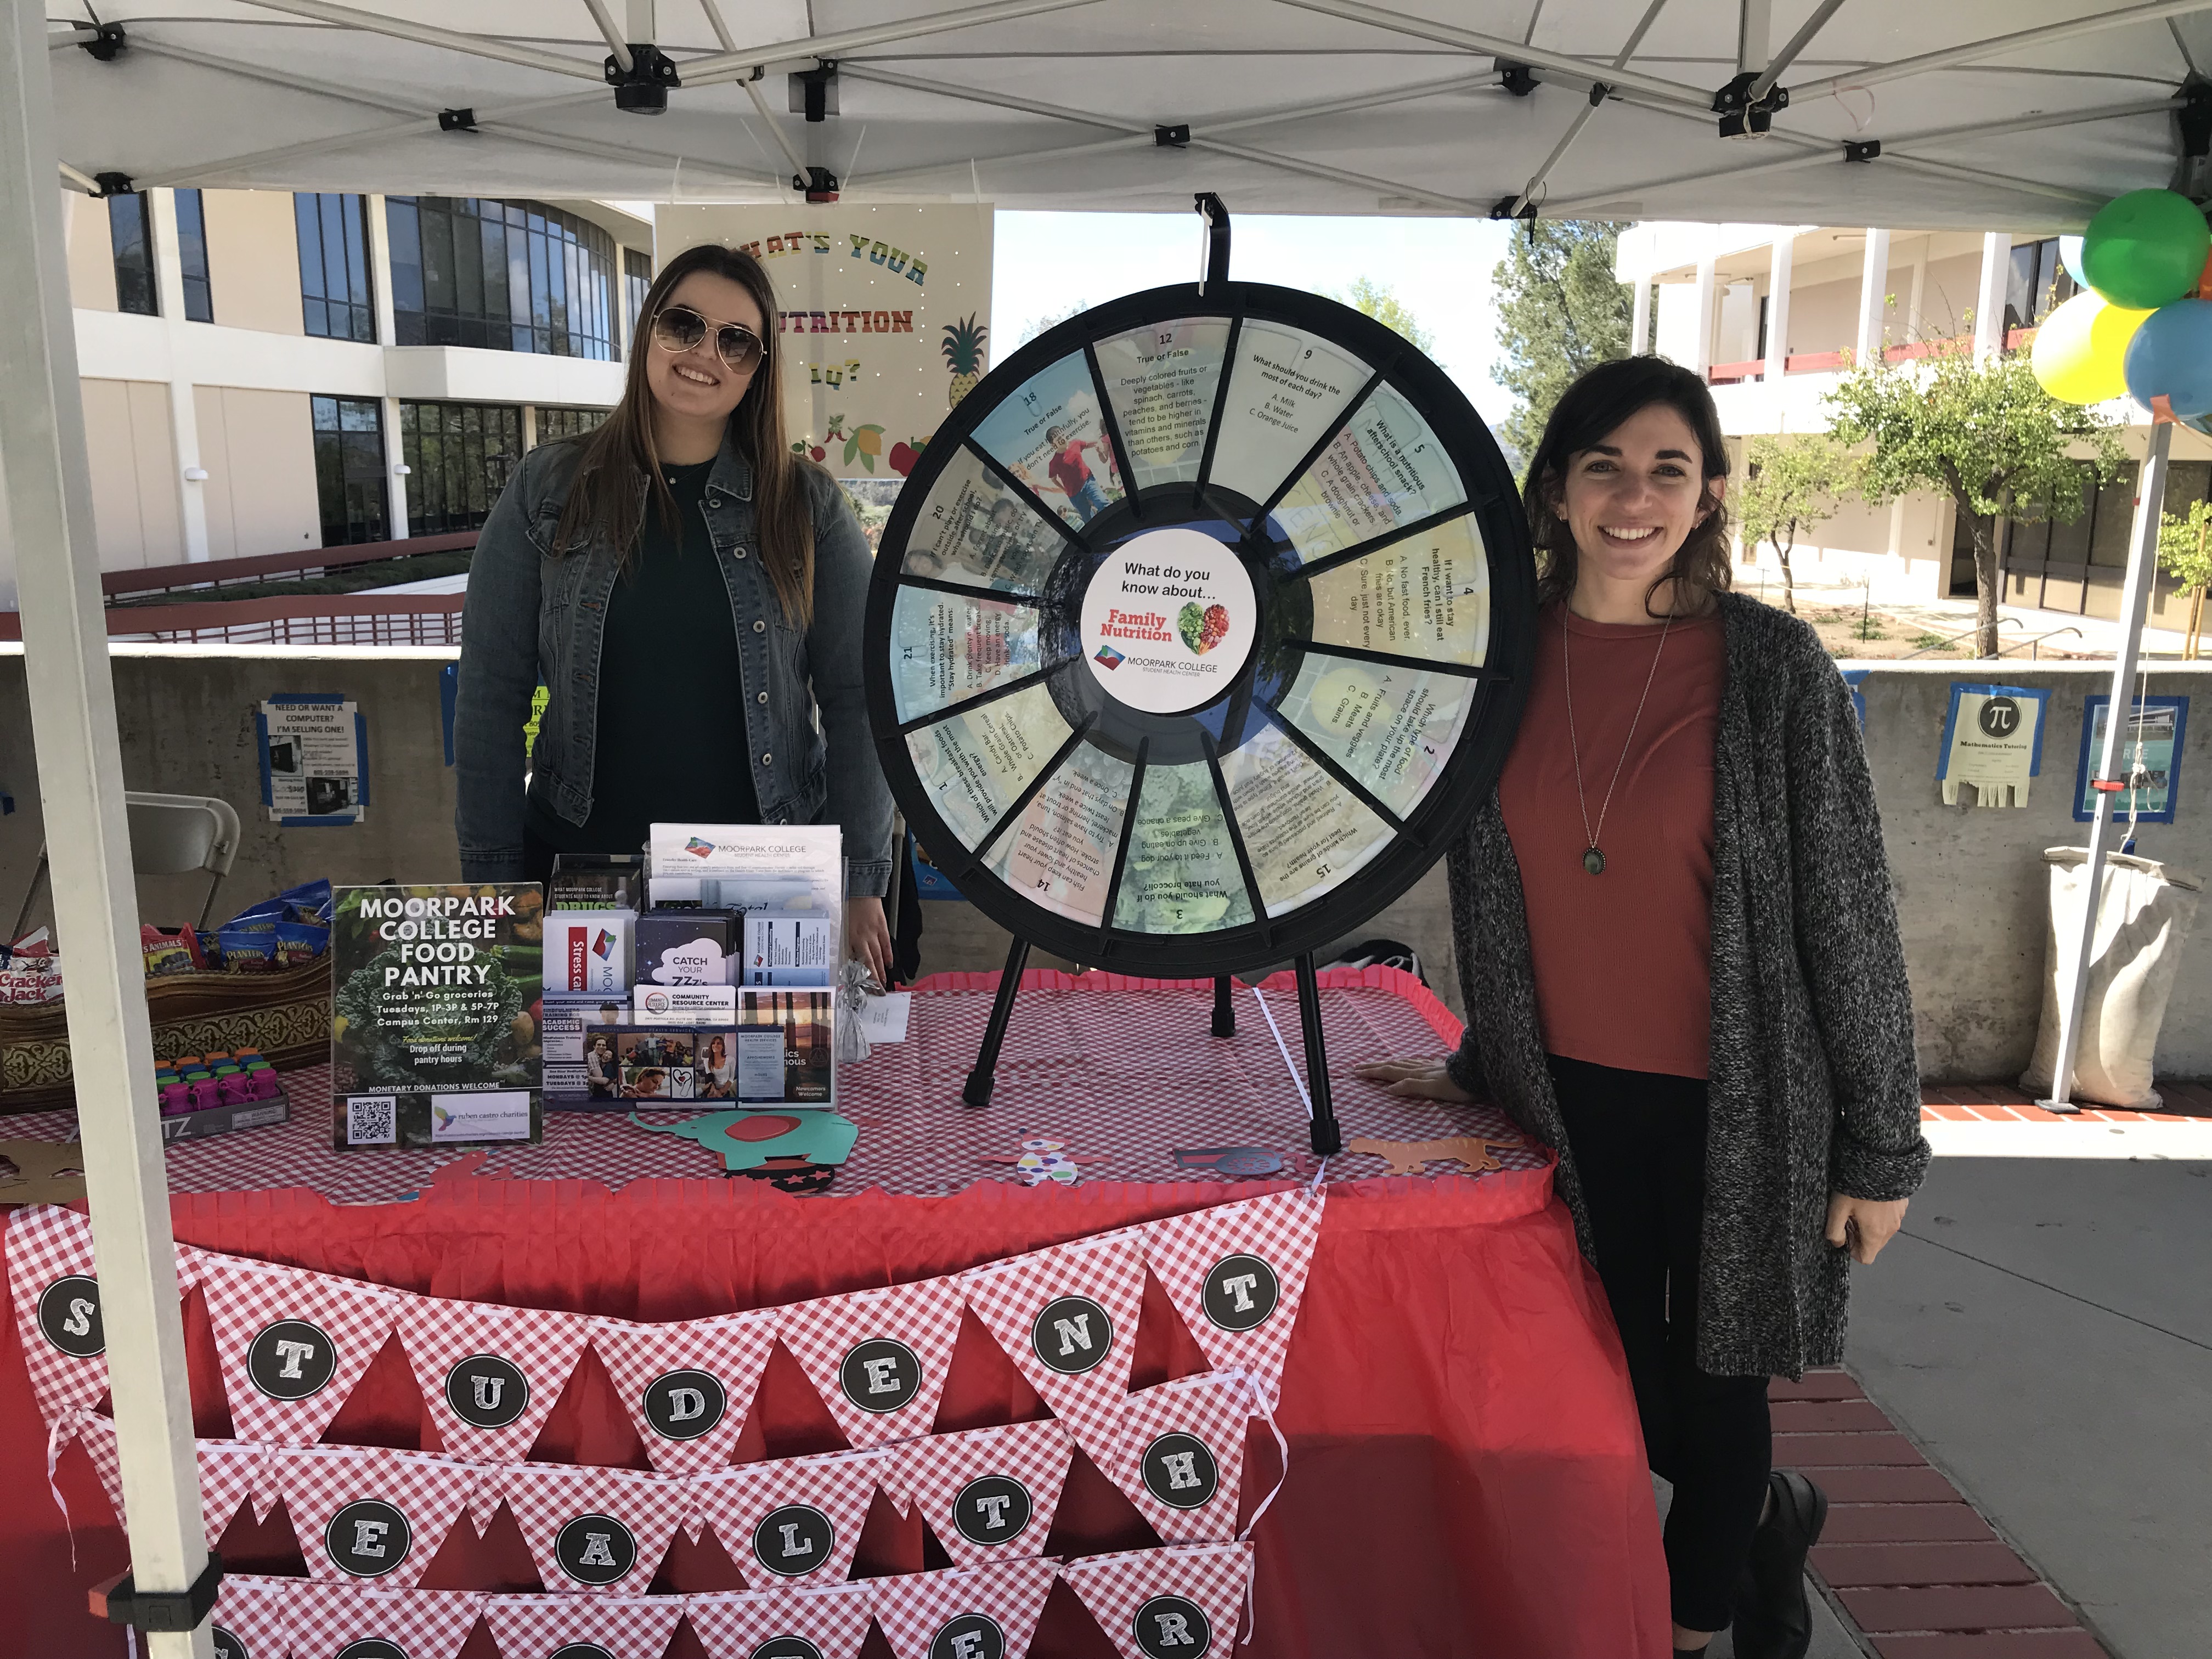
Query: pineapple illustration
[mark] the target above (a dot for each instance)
(963, 346)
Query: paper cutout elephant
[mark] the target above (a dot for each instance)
(821, 1137)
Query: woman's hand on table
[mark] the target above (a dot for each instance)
(1864, 1224)
(1422, 1077)
(868, 936)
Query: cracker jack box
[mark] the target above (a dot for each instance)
(434, 1035)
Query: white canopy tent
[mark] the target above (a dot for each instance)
(1989, 114)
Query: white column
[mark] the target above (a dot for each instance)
(1777, 307)
(387, 335)
(1915, 320)
(1873, 284)
(183, 408)
(1990, 297)
(1639, 317)
(1701, 358)
(80, 757)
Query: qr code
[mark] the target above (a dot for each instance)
(371, 1121)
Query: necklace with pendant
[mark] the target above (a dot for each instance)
(1593, 855)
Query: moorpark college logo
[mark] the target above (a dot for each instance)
(1241, 1292)
(1171, 1628)
(487, 1392)
(1072, 1335)
(68, 1316)
(291, 1359)
(880, 1374)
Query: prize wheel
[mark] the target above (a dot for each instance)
(1200, 627)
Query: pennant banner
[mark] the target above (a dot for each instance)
(362, 1512)
(1067, 1318)
(1183, 1456)
(591, 1528)
(354, 1621)
(292, 1344)
(797, 1519)
(990, 1494)
(877, 1359)
(1166, 1604)
(583, 1626)
(1237, 1273)
(978, 1612)
(231, 1472)
(57, 1299)
(687, 1386)
(250, 1619)
(490, 1374)
(779, 1624)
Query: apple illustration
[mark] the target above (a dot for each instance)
(903, 457)
(818, 452)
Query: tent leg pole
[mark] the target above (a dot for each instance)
(1327, 1138)
(80, 760)
(2135, 606)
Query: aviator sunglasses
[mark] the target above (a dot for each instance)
(680, 328)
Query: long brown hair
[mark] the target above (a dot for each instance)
(605, 500)
(1597, 403)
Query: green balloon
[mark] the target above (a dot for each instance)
(2144, 248)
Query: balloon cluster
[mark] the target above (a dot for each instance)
(2142, 323)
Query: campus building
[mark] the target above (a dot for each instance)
(265, 372)
(1771, 314)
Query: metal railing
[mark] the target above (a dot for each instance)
(1952, 639)
(2034, 645)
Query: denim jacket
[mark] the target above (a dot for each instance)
(532, 615)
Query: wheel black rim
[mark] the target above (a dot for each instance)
(1216, 768)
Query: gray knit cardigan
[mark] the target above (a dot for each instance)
(1814, 1086)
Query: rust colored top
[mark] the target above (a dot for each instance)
(1622, 959)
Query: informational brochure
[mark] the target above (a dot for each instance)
(1305, 834)
(945, 647)
(314, 759)
(1049, 435)
(1426, 597)
(1384, 470)
(747, 867)
(1060, 853)
(1389, 726)
(975, 764)
(1163, 380)
(976, 530)
(2150, 747)
(1181, 875)
(1286, 390)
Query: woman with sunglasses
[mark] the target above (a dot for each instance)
(681, 583)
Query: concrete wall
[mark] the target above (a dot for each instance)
(253, 260)
(1971, 882)
(91, 252)
(131, 445)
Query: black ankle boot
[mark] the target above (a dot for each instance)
(1774, 1616)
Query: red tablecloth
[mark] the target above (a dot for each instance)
(1466, 1474)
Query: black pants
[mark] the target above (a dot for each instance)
(1638, 1140)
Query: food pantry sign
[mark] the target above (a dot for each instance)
(883, 314)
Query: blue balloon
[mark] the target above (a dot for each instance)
(2070, 255)
(2171, 357)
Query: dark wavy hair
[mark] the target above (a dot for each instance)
(1594, 406)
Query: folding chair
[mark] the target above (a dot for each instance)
(170, 835)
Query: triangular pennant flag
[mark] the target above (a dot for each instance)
(687, 1386)
(582, 1627)
(591, 1528)
(1183, 1456)
(1237, 1273)
(877, 1359)
(489, 1374)
(829, 1623)
(797, 1519)
(252, 1618)
(1067, 1318)
(970, 1613)
(57, 1297)
(1166, 1604)
(292, 1344)
(230, 1472)
(354, 1621)
(989, 1494)
(363, 1512)
(97, 1436)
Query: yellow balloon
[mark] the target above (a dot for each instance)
(2081, 351)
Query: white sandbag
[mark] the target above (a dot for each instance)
(2142, 920)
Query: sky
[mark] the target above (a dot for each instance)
(1045, 264)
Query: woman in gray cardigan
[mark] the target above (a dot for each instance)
(1680, 953)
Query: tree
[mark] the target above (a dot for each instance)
(1370, 301)
(1982, 432)
(2183, 554)
(1559, 312)
(1037, 325)
(1792, 483)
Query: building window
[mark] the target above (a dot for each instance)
(334, 266)
(2037, 284)
(638, 277)
(509, 275)
(349, 468)
(130, 230)
(459, 457)
(193, 255)
(555, 424)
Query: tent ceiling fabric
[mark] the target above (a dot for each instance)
(223, 93)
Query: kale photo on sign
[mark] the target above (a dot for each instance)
(436, 988)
